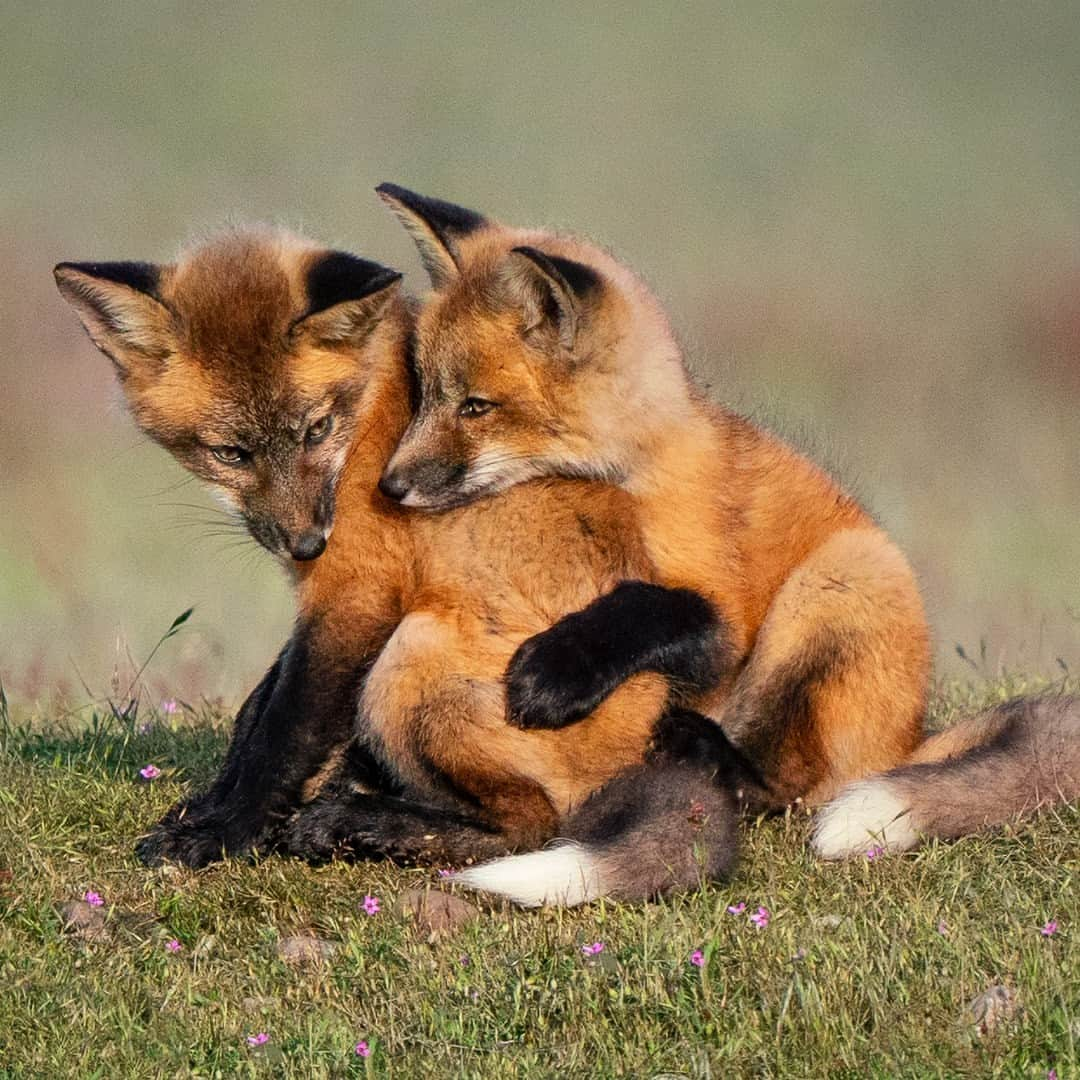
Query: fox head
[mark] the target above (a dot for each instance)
(247, 360)
(537, 355)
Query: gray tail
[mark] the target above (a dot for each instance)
(655, 829)
(993, 768)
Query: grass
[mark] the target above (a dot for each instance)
(851, 978)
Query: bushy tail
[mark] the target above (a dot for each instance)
(1006, 762)
(652, 830)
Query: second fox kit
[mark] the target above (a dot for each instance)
(573, 370)
(278, 372)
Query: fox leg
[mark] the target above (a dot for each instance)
(434, 718)
(561, 675)
(835, 685)
(299, 716)
(344, 823)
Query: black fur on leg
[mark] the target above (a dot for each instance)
(295, 720)
(685, 737)
(367, 825)
(561, 675)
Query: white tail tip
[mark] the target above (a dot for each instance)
(861, 816)
(565, 876)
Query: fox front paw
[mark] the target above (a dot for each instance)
(552, 681)
(196, 839)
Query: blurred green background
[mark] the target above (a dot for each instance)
(863, 217)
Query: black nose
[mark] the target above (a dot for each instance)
(394, 486)
(309, 545)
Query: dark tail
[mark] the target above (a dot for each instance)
(661, 827)
(1002, 764)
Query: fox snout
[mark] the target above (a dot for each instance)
(308, 545)
(432, 483)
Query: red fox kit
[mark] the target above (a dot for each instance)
(541, 355)
(279, 372)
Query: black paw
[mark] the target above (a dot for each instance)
(554, 680)
(193, 838)
(320, 832)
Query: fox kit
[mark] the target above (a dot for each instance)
(569, 368)
(279, 373)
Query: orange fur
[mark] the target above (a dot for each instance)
(821, 608)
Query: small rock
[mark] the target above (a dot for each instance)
(82, 919)
(993, 1009)
(257, 1004)
(435, 913)
(829, 922)
(305, 949)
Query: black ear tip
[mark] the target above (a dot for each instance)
(141, 276)
(577, 277)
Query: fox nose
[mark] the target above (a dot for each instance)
(308, 545)
(394, 485)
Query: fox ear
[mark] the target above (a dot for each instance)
(436, 226)
(119, 306)
(551, 290)
(345, 296)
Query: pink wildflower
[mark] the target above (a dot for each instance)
(446, 872)
(874, 853)
(1051, 1074)
(592, 950)
(149, 772)
(169, 706)
(362, 1049)
(258, 1040)
(173, 946)
(943, 928)
(761, 918)
(737, 909)
(93, 899)
(697, 958)
(1050, 929)
(371, 905)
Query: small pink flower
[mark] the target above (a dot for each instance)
(362, 1049)
(800, 954)
(93, 899)
(697, 958)
(464, 960)
(446, 872)
(737, 909)
(594, 949)
(874, 853)
(371, 905)
(169, 706)
(173, 946)
(149, 772)
(1051, 1074)
(943, 928)
(1050, 929)
(761, 918)
(258, 1040)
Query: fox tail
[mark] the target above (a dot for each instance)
(1002, 764)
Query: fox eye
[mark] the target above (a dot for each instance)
(319, 430)
(231, 455)
(475, 406)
